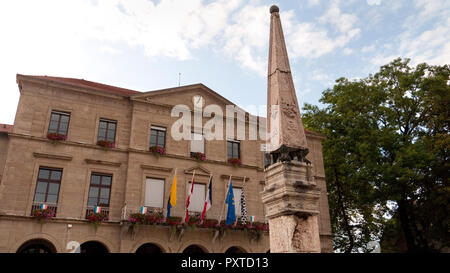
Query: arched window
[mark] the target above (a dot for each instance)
(234, 249)
(93, 247)
(37, 246)
(149, 248)
(194, 249)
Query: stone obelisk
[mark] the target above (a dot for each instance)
(290, 195)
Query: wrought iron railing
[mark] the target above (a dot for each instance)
(104, 210)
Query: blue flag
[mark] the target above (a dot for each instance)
(231, 214)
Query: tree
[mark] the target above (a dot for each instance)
(387, 154)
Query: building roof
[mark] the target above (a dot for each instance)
(87, 84)
(6, 128)
(115, 90)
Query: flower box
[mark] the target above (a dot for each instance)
(154, 218)
(193, 221)
(199, 156)
(43, 214)
(106, 144)
(210, 223)
(158, 150)
(173, 221)
(235, 161)
(55, 137)
(97, 218)
(261, 226)
(137, 218)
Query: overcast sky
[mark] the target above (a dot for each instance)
(144, 45)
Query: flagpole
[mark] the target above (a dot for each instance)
(226, 193)
(170, 190)
(207, 189)
(242, 191)
(192, 186)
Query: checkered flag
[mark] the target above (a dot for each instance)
(243, 208)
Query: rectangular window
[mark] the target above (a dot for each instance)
(47, 186)
(154, 193)
(59, 123)
(107, 130)
(237, 200)
(158, 136)
(233, 148)
(100, 190)
(197, 200)
(197, 143)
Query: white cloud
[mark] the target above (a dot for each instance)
(347, 51)
(425, 37)
(246, 38)
(343, 22)
(109, 50)
(374, 2)
(366, 49)
(313, 2)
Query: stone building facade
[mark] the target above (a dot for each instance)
(30, 161)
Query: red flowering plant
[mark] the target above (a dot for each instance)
(261, 226)
(154, 218)
(173, 220)
(193, 222)
(210, 223)
(136, 219)
(55, 137)
(199, 156)
(235, 161)
(97, 218)
(43, 214)
(257, 231)
(106, 143)
(158, 150)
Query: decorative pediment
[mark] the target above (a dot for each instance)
(199, 170)
(180, 94)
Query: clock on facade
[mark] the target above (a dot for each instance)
(198, 101)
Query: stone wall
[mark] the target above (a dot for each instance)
(129, 163)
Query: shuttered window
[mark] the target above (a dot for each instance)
(154, 193)
(197, 143)
(197, 200)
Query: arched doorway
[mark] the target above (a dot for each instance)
(149, 248)
(93, 247)
(194, 249)
(37, 246)
(234, 249)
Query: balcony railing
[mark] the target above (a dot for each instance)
(154, 210)
(104, 210)
(36, 206)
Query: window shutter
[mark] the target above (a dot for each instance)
(154, 193)
(197, 143)
(198, 197)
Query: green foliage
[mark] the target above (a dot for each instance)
(387, 143)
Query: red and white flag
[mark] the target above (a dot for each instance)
(188, 200)
(208, 200)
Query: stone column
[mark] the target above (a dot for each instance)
(292, 207)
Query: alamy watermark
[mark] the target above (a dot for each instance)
(235, 120)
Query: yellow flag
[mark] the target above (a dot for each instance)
(173, 192)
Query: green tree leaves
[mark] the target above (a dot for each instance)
(387, 143)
